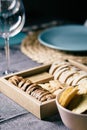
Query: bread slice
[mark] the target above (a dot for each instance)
(59, 72)
(65, 75)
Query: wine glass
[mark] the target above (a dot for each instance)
(12, 19)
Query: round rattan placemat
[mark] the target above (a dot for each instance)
(33, 49)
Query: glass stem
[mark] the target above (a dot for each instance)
(7, 53)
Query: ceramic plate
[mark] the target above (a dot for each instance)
(66, 37)
(14, 40)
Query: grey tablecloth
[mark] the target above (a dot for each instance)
(14, 117)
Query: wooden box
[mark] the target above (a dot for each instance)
(36, 75)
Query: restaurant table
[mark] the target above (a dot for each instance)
(13, 116)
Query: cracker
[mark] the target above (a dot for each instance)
(82, 80)
(67, 95)
(65, 75)
(83, 87)
(78, 78)
(21, 83)
(60, 68)
(42, 95)
(59, 72)
(55, 84)
(69, 81)
(15, 79)
(12, 81)
(28, 90)
(57, 65)
(25, 86)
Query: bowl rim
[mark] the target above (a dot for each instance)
(65, 109)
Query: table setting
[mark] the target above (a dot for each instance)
(30, 50)
(45, 46)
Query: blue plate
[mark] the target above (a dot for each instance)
(14, 40)
(66, 37)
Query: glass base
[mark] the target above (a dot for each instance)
(6, 72)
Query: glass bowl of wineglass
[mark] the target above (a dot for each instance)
(12, 20)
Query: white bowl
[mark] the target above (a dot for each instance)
(70, 119)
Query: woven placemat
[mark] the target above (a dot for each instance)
(33, 49)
